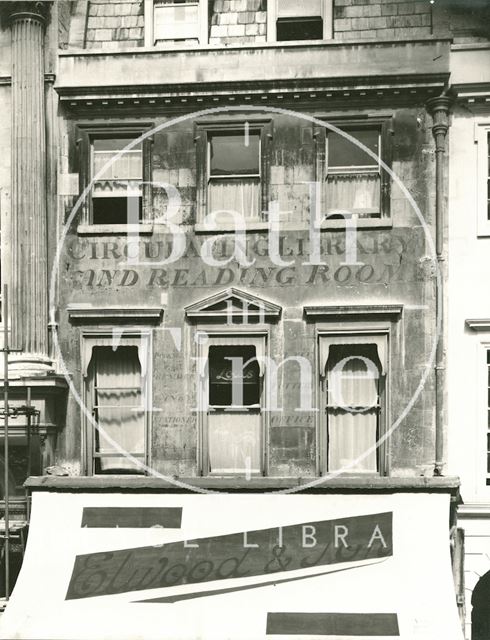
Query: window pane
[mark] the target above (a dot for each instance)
(352, 410)
(354, 193)
(231, 380)
(116, 389)
(234, 154)
(299, 8)
(344, 153)
(176, 21)
(115, 144)
(234, 442)
(128, 166)
(240, 195)
(299, 29)
(117, 210)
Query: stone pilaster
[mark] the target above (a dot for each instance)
(28, 283)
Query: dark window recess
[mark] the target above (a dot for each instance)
(19, 466)
(298, 28)
(234, 154)
(344, 153)
(234, 378)
(120, 210)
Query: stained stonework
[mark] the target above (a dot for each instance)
(115, 25)
(354, 19)
(238, 22)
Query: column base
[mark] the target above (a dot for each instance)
(28, 364)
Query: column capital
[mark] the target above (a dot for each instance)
(33, 10)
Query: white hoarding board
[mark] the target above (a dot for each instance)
(109, 566)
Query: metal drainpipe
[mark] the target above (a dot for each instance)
(439, 109)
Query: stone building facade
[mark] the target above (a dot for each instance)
(136, 289)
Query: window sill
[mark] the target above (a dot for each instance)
(114, 229)
(260, 225)
(361, 223)
(326, 225)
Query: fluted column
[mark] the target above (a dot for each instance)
(28, 288)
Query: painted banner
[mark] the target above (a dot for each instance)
(244, 566)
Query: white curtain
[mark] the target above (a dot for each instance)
(234, 442)
(240, 195)
(121, 178)
(117, 397)
(353, 192)
(352, 413)
(128, 166)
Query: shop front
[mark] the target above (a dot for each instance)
(145, 561)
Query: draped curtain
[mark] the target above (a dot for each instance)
(352, 409)
(118, 407)
(354, 192)
(240, 195)
(122, 177)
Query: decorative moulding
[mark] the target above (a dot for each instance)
(103, 315)
(478, 324)
(232, 303)
(322, 311)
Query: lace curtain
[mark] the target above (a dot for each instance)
(354, 193)
(240, 195)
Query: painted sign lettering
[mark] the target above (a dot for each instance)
(233, 556)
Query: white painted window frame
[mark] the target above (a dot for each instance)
(123, 336)
(149, 23)
(327, 15)
(482, 421)
(482, 131)
(256, 334)
(326, 331)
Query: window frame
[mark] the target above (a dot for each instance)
(320, 134)
(356, 331)
(89, 340)
(149, 28)
(272, 16)
(481, 451)
(86, 133)
(203, 132)
(482, 140)
(258, 334)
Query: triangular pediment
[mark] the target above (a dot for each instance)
(233, 303)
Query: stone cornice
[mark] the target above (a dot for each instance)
(334, 311)
(478, 324)
(121, 314)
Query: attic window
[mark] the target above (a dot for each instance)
(176, 22)
(292, 20)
